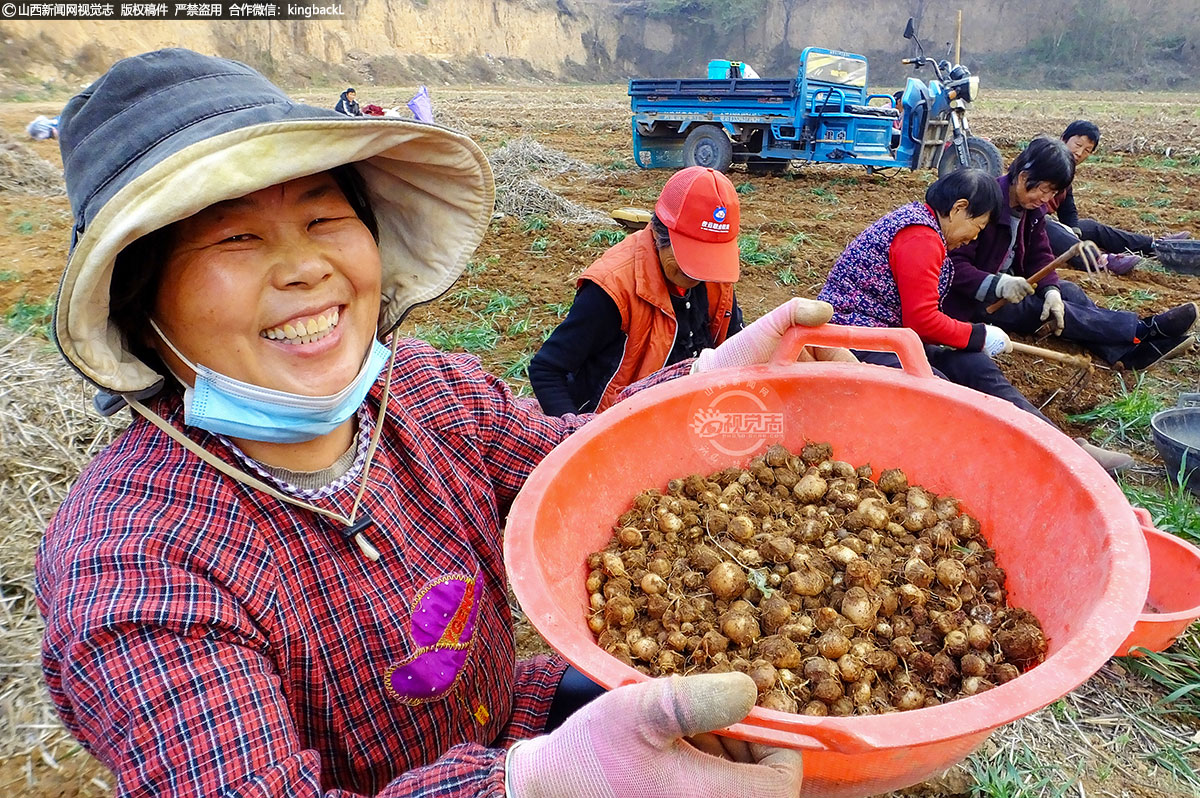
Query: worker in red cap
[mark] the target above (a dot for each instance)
(662, 295)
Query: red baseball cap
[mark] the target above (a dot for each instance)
(699, 207)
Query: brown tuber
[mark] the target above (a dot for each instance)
(727, 580)
(950, 573)
(839, 595)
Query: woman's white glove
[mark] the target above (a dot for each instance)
(1013, 289)
(757, 342)
(995, 341)
(1053, 307)
(630, 743)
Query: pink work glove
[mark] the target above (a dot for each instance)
(628, 743)
(757, 342)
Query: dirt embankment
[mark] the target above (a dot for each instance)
(391, 42)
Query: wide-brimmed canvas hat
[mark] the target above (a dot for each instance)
(163, 135)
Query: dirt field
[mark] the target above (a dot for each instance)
(1146, 177)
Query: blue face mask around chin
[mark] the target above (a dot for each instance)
(225, 406)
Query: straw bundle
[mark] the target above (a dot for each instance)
(24, 172)
(48, 433)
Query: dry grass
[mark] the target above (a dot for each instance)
(22, 171)
(517, 164)
(1107, 738)
(48, 433)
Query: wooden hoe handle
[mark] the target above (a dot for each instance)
(1041, 273)
(1050, 354)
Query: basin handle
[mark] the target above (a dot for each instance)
(900, 341)
(829, 738)
(1144, 519)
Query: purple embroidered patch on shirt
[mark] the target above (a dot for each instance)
(443, 625)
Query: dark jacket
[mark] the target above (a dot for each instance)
(602, 346)
(1064, 204)
(977, 263)
(347, 106)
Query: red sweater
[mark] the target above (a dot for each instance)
(916, 257)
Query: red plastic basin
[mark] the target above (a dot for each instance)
(1062, 529)
(1174, 594)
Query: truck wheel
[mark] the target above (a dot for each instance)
(983, 153)
(708, 146)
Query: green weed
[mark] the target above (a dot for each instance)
(23, 222)
(1176, 670)
(623, 192)
(825, 195)
(468, 296)
(1125, 202)
(519, 327)
(519, 368)
(535, 224)
(787, 276)
(1126, 418)
(32, 317)
(605, 238)
(478, 267)
(1015, 772)
(540, 245)
(500, 302)
(476, 336)
(559, 309)
(1149, 216)
(1131, 301)
(806, 239)
(1172, 507)
(745, 188)
(1161, 202)
(9, 276)
(618, 165)
(1110, 159)
(754, 253)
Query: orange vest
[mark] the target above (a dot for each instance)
(632, 276)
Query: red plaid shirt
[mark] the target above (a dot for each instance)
(203, 639)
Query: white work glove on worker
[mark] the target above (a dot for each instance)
(1012, 288)
(1053, 308)
(758, 341)
(629, 743)
(995, 341)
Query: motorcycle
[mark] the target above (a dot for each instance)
(934, 130)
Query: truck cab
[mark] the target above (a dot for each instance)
(840, 121)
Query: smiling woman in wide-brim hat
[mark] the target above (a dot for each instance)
(164, 135)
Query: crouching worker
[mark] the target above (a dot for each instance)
(285, 577)
(1014, 247)
(896, 273)
(662, 295)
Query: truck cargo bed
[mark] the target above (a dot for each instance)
(696, 87)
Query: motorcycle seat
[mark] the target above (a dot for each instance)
(882, 111)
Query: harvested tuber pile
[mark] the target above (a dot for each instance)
(837, 594)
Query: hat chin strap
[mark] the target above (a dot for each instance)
(353, 524)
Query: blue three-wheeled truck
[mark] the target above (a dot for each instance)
(824, 115)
